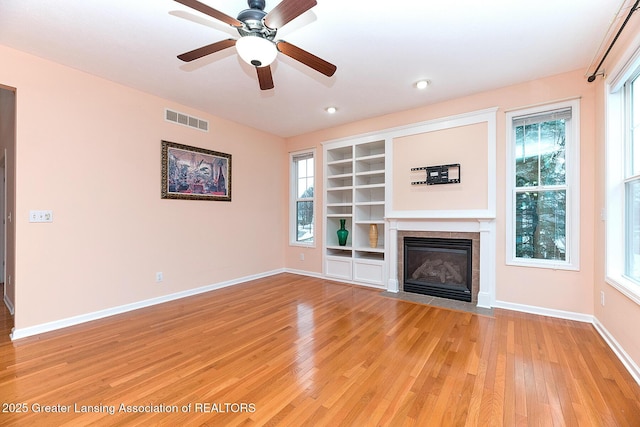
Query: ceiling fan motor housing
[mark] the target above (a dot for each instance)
(256, 4)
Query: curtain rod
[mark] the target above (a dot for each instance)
(592, 77)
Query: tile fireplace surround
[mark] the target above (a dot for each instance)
(480, 230)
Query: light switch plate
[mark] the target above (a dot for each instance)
(41, 216)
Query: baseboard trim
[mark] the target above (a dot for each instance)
(9, 305)
(624, 357)
(88, 317)
(484, 300)
(542, 311)
(304, 273)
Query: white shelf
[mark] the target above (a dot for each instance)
(370, 249)
(378, 203)
(355, 180)
(340, 162)
(340, 248)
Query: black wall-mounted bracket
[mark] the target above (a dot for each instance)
(441, 174)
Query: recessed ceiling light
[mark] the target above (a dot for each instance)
(331, 110)
(422, 84)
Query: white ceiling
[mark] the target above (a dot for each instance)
(381, 48)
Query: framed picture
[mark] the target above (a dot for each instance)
(195, 173)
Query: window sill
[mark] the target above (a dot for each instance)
(626, 287)
(543, 264)
(302, 245)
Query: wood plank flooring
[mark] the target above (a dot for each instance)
(290, 350)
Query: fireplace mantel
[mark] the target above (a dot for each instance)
(482, 222)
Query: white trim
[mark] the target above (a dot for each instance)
(625, 286)
(543, 311)
(487, 115)
(442, 214)
(9, 304)
(88, 317)
(304, 273)
(626, 67)
(359, 283)
(478, 116)
(293, 185)
(572, 153)
(615, 346)
(614, 217)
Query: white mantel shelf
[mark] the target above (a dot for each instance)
(441, 214)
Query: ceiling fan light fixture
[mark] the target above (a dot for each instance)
(256, 51)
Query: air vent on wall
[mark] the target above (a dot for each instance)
(186, 120)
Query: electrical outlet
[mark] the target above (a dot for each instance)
(602, 298)
(301, 256)
(159, 276)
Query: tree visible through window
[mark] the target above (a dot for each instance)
(541, 196)
(540, 185)
(303, 179)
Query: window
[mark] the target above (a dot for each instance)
(623, 180)
(302, 197)
(632, 179)
(543, 193)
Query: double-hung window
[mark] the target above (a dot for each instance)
(632, 180)
(543, 186)
(302, 198)
(623, 180)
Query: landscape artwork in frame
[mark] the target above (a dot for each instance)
(195, 173)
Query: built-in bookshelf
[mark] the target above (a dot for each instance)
(355, 177)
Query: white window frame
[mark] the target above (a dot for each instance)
(293, 198)
(615, 177)
(572, 165)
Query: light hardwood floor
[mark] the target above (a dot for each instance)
(290, 350)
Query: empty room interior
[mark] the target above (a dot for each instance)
(301, 212)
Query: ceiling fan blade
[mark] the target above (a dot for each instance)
(206, 50)
(264, 77)
(286, 11)
(208, 10)
(308, 59)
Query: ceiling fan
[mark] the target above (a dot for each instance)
(257, 30)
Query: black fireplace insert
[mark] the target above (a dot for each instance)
(438, 267)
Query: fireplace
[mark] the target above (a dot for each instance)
(440, 267)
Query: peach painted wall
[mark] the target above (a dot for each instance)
(466, 145)
(89, 150)
(569, 291)
(620, 315)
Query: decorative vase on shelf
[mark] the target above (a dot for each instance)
(342, 233)
(373, 235)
